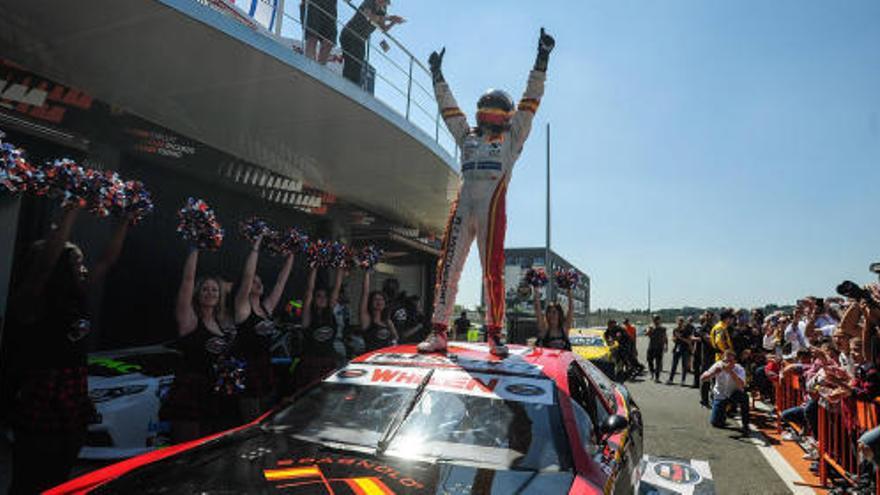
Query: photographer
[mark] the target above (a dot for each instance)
(729, 389)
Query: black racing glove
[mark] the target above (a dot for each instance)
(545, 46)
(435, 61)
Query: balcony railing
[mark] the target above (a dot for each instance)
(393, 74)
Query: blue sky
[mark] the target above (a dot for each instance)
(730, 150)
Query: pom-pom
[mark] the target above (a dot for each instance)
(367, 257)
(137, 202)
(199, 226)
(340, 255)
(253, 227)
(536, 277)
(567, 279)
(68, 180)
(229, 373)
(104, 191)
(320, 253)
(16, 173)
(290, 241)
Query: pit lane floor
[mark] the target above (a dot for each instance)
(677, 426)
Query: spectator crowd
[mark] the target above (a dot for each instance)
(829, 346)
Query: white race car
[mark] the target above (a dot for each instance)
(127, 387)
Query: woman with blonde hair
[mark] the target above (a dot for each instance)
(195, 406)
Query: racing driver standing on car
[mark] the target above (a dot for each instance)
(488, 153)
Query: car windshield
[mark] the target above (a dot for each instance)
(587, 340)
(490, 421)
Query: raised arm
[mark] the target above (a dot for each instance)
(521, 124)
(453, 117)
(184, 313)
(307, 299)
(111, 253)
(47, 258)
(539, 313)
(337, 287)
(271, 301)
(569, 314)
(364, 306)
(242, 298)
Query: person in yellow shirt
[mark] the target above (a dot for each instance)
(720, 335)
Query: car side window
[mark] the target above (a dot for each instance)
(601, 382)
(587, 406)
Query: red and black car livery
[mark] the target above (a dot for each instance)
(398, 422)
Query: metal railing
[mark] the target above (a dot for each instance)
(394, 75)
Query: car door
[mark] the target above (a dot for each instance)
(614, 456)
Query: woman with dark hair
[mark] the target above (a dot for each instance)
(255, 326)
(319, 331)
(356, 34)
(195, 406)
(554, 323)
(376, 322)
(46, 387)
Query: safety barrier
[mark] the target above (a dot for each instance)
(789, 393)
(840, 426)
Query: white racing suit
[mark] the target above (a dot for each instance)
(486, 164)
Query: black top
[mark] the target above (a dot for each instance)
(554, 342)
(254, 336)
(318, 337)
(202, 349)
(682, 337)
(617, 334)
(377, 336)
(360, 24)
(56, 339)
(657, 338)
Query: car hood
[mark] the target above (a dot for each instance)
(258, 461)
(119, 381)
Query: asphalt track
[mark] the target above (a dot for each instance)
(677, 426)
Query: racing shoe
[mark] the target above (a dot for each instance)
(497, 346)
(436, 342)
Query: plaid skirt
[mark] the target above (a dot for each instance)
(53, 400)
(192, 398)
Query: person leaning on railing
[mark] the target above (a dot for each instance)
(356, 34)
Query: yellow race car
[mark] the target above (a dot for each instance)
(590, 344)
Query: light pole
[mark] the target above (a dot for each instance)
(547, 264)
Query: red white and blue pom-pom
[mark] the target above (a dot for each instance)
(105, 191)
(320, 253)
(229, 373)
(68, 180)
(137, 202)
(198, 225)
(290, 241)
(367, 257)
(16, 173)
(567, 279)
(341, 256)
(253, 228)
(536, 277)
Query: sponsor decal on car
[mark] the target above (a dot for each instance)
(514, 364)
(516, 388)
(672, 475)
(120, 367)
(338, 474)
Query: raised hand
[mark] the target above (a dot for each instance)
(546, 43)
(435, 61)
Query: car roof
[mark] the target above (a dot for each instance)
(475, 357)
(598, 331)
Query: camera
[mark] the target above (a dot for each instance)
(850, 289)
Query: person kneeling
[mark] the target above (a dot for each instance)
(729, 389)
